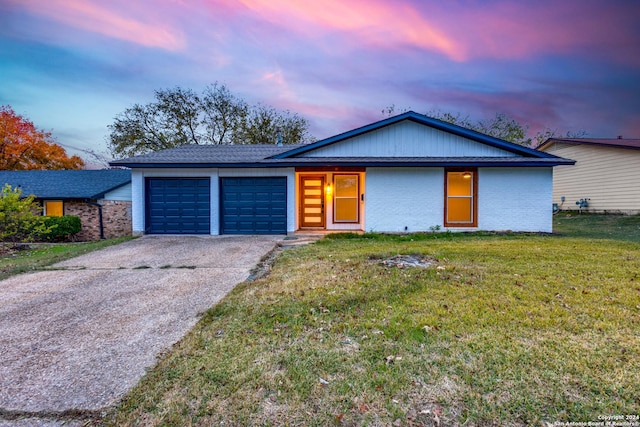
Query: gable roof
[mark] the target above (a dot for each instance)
(633, 144)
(426, 121)
(269, 156)
(66, 184)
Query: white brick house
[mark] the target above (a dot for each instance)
(406, 173)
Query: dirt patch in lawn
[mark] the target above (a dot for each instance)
(405, 261)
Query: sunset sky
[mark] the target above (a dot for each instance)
(573, 65)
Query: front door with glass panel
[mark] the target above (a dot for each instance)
(312, 201)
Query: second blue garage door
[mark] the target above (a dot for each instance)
(253, 205)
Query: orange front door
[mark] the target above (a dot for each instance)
(312, 201)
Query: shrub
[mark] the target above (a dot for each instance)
(60, 227)
(19, 219)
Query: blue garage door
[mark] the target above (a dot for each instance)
(178, 206)
(253, 205)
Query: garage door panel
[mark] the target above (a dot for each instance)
(178, 206)
(246, 211)
(253, 205)
(265, 211)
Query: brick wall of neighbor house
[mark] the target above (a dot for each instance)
(116, 218)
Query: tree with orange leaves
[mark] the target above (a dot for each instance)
(24, 147)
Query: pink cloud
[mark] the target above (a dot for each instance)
(461, 31)
(374, 22)
(98, 17)
(327, 113)
(539, 110)
(274, 86)
(518, 30)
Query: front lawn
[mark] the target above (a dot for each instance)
(40, 255)
(617, 227)
(502, 330)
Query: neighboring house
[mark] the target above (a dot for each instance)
(404, 174)
(101, 198)
(606, 174)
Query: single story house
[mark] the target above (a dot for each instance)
(101, 198)
(605, 178)
(406, 173)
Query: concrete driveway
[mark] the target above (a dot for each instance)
(75, 339)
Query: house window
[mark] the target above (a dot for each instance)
(461, 199)
(53, 208)
(345, 199)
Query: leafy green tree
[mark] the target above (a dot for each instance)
(225, 115)
(19, 217)
(181, 116)
(263, 124)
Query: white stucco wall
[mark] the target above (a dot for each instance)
(516, 199)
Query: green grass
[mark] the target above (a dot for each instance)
(43, 255)
(506, 330)
(617, 227)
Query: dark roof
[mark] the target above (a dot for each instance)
(633, 144)
(205, 156)
(210, 156)
(427, 121)
(66, 184)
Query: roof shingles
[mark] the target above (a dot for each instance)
(213, 154)
(66, 184)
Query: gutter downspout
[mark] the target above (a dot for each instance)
(99, 206)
